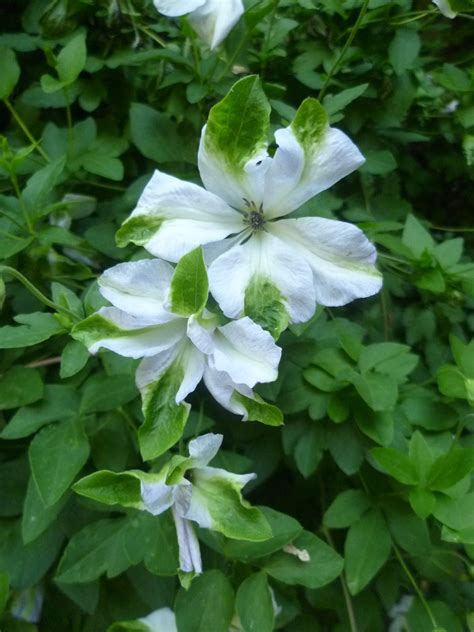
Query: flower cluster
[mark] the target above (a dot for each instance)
(233, 242)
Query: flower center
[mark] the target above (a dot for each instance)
(255, 217)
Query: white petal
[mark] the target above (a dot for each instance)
(189, 551)
(295, 176)
(162, 620)
(246, 352)
(139, 288)
(214, 20)
(175, 8)
(263, 257)
(191, 216)
(445, 8)
(204, 448)
(340, 255)
(135, 337)
(222, 388)
(157, 497)
(237, 188)
(186, 357)
(201, 332)
(209, 473)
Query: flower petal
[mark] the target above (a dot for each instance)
(157, 497)
(139, 288)
(173, 217)
(310, 158)
(246, 352)
(162, 620)
(112, 329)
(215, 19)
(445, 8)
(175, 8)
(266, 279)
(204, 448)
(340, 255)
(190, 360)
(189, 551)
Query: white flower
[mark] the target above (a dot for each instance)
(209, 496)
(162, 620)
(272, 267)
(211, 19)
(231, 358)
(445, 8)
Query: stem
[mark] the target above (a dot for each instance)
(69, 120)
(25, 130)
(22, 203)
(349, 41)
(347, 597)
(34, 290)
(415, 586)
(46, 362)
(153, 36)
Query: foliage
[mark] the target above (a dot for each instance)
(367, 487)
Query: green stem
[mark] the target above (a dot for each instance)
(34, 290)
(24, 210)
(415, 586)
(152, 35)
(22, 125)
(349, 41)
(70, 130)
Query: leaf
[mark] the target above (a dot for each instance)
(9, 72)
(323, 567)
(34, 328)
(20, 386)
(366, 550)
(154, 134)
(207, 605)
(73, 358)
(422, 502)
(397, 464)
(416, 237)
(102, 392)
(337, 103)
(71, 60)
(254, 604)
(450, 468)
(100, 164)
(37, 517)
(348, 507)
(59, 403)
(112, 488)
(403, 50)
(309, 450)
(389, 358)
(409, 531)
(189, 287)
(57, 454)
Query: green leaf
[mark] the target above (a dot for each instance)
(284, 529)
(259, 410)
(337, 103)
(322, 567)
(154, 134)
(403, 50)
(389, 358)
(164, 418)
(348, 507)
(416, 237)
(37, 516)
(456, 513)
(100, 164)
(379, 391)
(422, 502)
(397, 464)
(59, 403)
(9, 72)
(309, 450)
(112, 488)
(450, 468)
(71, 60)
(264, 304)
(237, 126)
(409, 531)
(57, 454)
(420, 456)
(453, 383)
(189, 286)
(102, 392)
(73, 358)
(20, 386)
(34, 328)
(254, 604)
(366, 550)
(207, 605)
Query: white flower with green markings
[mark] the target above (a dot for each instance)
(193, 491)
(211, 19)
(272, 269)
(159, 315)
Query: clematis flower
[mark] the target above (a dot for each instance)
(178, 350)
(211, 19)
(162, 620)
(445, 8)
(273, 269)
(195, 492)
